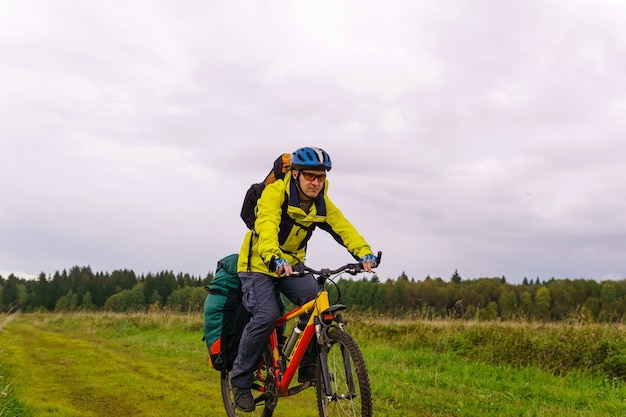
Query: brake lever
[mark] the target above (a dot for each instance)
(294, 274)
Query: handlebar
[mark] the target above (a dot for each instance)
(324, 273)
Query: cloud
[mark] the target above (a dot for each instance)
(484, 137)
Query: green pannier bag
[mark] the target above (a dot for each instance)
(224, 314)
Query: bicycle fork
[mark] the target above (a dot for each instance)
(327, 374)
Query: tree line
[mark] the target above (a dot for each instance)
(121, 290)
(482, 298)
(489, 298)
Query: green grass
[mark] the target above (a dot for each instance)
(9, 405)
(446, 385)
(155, 365)
(453, 368)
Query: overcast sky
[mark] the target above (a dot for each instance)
(487, 137)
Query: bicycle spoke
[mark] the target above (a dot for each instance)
(349, 383)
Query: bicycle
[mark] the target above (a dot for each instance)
(342, 383)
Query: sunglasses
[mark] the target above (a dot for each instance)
(309, 176)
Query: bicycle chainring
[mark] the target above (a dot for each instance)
(271, 392)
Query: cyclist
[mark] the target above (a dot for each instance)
(287, 213)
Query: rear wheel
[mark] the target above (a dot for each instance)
(266, 401)
(350, 394)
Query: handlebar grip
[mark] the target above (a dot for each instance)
(378, 258)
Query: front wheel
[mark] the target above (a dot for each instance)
(350, 394)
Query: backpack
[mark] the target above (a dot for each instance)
(224, 314)
(281, 167)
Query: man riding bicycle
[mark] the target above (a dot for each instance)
(287, 213)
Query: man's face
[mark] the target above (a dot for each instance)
(311, 181)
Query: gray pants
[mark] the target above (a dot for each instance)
(259, 298)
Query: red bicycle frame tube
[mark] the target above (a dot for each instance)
(305, 339)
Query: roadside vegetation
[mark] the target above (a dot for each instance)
(154, 364)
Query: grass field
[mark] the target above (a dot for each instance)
(155, 365)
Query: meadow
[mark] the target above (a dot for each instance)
(154, 364)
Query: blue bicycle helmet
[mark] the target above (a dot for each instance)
(312, 158)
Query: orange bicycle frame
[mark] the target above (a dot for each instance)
(315, 307)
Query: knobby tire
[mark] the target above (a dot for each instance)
(262, 409)
(351, 393)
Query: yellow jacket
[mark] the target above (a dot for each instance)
(282, 229)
